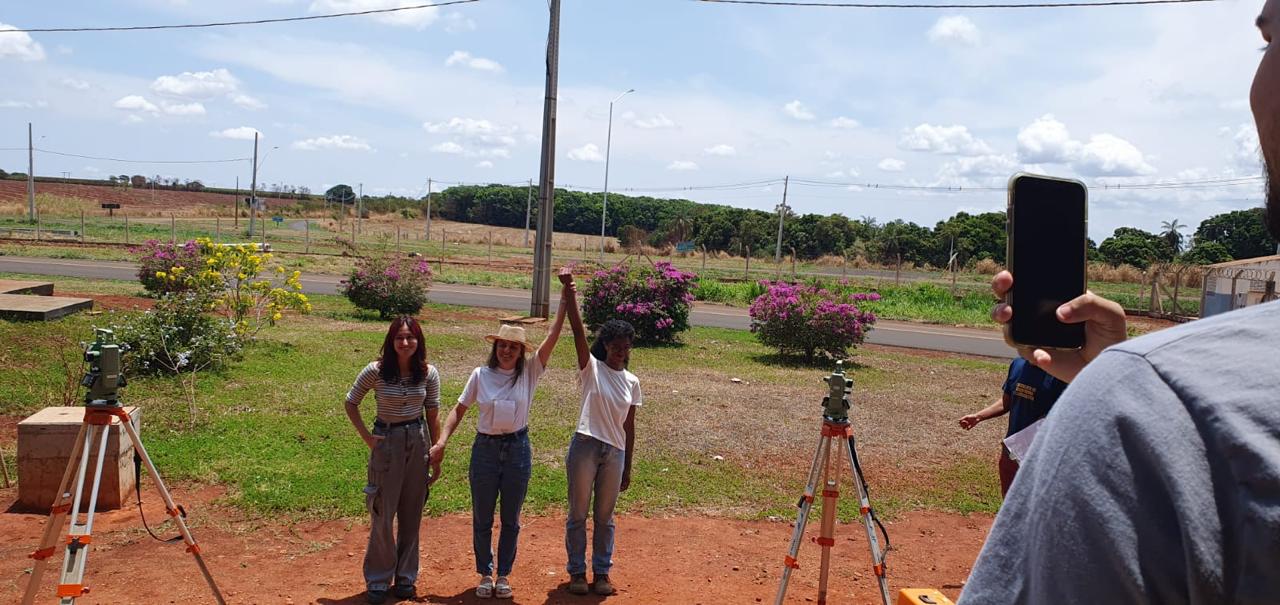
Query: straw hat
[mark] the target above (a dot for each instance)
(513, 334)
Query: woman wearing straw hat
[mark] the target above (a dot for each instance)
(501, 459)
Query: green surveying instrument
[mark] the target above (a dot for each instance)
(102, 409)
(835, 428)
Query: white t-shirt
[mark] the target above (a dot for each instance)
(607, 397)
(503, 402)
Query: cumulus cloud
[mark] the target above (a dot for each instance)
(418, 19)
(135, 103)
(484, 164)
(657, 122)
(1245, 153)
(478, 137)
(448, 147)
(73, 83)
(341, 142)
(955, 30)
(465, 59)
(182, 109)
(950, 140)
(843, 122)
(682, 165)
(979, 166)
(242, 133)
(456, 22)
(1047, 140)
(586, 153)
(197, 85)
(721, 150)
(19, 46)
(797, 110)
(247, 102)
(892, 165)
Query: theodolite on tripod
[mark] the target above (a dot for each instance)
(102, 406)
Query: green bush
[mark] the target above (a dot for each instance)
(389, 284)
(653, 298)
(177, 336)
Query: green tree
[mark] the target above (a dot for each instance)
(1172, 236)
(1207, 253)
(1242, 232)
(340, 194)
(1129, 249)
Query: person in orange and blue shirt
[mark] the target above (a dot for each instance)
(1029, 394)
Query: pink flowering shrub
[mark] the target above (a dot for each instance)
(157, 259)
(391, 284)
(654, 299)
(807, 319)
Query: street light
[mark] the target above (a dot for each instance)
(604, 210)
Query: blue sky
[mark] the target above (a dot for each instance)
(724, 94)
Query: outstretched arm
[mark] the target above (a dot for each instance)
(553, 335)
(997, 408)
(575, 318)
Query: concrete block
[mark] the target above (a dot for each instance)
(45, 440)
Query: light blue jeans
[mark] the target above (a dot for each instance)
(500, 466)
(592, 466)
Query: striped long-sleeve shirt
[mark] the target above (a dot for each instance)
(399, 400)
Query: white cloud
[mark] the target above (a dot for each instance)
(979, 166)
(955, 30)
(797, 110)
(19, 46)
(247, 102)
(343, 142)
(950, 140)
(1046, 140)
(448, 147)
(892, 165)
(484, 164)
(721, 150)
(475, 130)
(73, 83)
(682, 165)
(242, 133)
(418, 19)
(465, 59)
(656, 122)
(456, 22)
(843, 122)
(1245, 154)
(23, 104)
(197, 85)
(182, 109)
(1109, 155)
(586, 153)
(136, 103)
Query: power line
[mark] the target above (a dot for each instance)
(125, 161)
(231, 23)
(954, 6)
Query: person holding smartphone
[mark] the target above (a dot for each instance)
(1029, 394)
(1157, 477)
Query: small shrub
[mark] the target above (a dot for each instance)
(806, 319)
(655, 299)
(987, 266)
(157, 261)
(177, 336)
(389, 284)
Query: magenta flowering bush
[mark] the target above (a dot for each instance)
(156, 260)
(807, 319)
(389, 284)
(653, 298)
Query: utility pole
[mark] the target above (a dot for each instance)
(253, 187)
(782, 212)
(428, 231)
(540, 306)
(528, 211)
(31, 177)
(236, 226)
(360, 210)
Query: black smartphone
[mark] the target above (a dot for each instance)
(1046, 228)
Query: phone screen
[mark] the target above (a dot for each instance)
(1046, 248)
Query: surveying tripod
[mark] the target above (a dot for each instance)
(102, 406)
(837, 433)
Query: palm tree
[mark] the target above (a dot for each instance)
(1171, 235)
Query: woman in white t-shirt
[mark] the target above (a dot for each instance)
(501, 459)
(599, 458)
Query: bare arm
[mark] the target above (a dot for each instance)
(998, 408)
(433, 425)
(575, 318)
(630, 426)
(353, 413)
(553, 335)
(450, 425)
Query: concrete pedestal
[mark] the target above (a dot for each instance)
(45, 440)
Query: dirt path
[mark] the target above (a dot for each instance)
(659, 560)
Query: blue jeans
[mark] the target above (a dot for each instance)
(592, 465)
(499, 466)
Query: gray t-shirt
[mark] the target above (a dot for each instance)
(1156, 478)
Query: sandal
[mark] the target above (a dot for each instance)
(502, 589)
(485, 589)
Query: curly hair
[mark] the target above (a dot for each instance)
(609, 332)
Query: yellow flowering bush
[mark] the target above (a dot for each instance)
(239, 284)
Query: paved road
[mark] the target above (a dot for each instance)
(892, 333)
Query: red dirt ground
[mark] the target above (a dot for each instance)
(658, 560)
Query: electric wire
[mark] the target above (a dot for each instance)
(954, 6)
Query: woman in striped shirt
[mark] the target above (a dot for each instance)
(404, 386)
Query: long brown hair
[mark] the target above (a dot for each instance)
(389, 362)
(493, 362)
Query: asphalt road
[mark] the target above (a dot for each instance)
(891, 333)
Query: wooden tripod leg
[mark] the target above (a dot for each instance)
(57, 515)
(172, 508)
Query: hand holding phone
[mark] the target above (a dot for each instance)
(1046, 240)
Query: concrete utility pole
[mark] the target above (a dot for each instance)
(427, 234)
(540, 305)
(253, 188)
(782, 212)
(31, 177)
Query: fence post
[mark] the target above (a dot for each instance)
(844, 265)
(82, 226)
(307, 224)
(746, 270)
(39, 223)
(217, 228)
(490, 247)
(126, 229)
(704, 258)
(397, 239)
(793, 264)
(353, 235)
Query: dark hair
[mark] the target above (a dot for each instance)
(389, 362)
(493, 361)
(609, 332)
